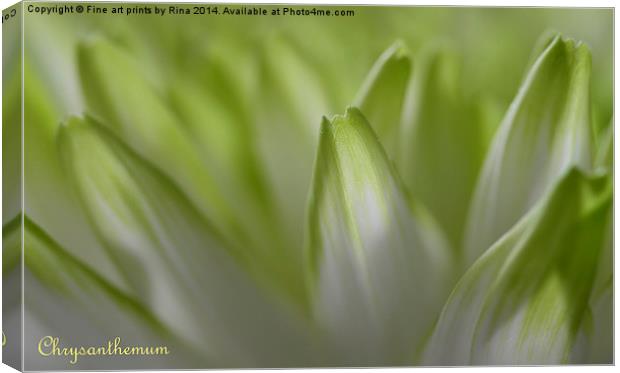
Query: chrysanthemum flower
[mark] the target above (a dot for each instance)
(176, 211)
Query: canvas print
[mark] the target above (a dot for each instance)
(198, 186)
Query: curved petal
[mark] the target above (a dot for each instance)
(382, 94)
(296, 86)
(134, 112)
(443, 141)
(545, 131)
(65, 297)
(290, 102)
(380, 270)
(206, 146)
(176, 263)
(48, 192)
(524, 300)
(222, 133)
(605, 148)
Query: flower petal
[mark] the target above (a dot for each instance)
(524, 300)
(84, 306)
(297, 86)
(379, 269)
(207, 147)
(174, 259)
(545, 131)
(222, 133)
(605, 148)
(48, 191)
(381, 96)
(443, 141)
(133, 111)
(290, 102)
(599, 333)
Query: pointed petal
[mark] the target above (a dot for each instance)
(84, 305)
(289, 102)
(523, 301)
(207, 147)
(172, 257)
(48, 190)
(443, 141)
(545, 131)
(371, 256)
(295, 85)
(134, 112)
(222, 132)
(382, 94)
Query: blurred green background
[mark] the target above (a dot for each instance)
(494, 44)
(278, 74)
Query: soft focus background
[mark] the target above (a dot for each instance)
(290, 71)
